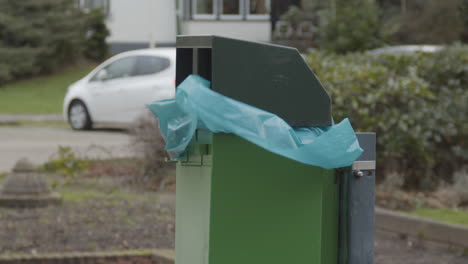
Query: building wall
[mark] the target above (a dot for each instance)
(138, 23)
(248, 30)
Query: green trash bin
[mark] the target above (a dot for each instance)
(237, 202)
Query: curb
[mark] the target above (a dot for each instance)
(15, 118)
(422, 228)
(162, 256)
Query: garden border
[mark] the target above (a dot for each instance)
(158, 256)
(420, 228)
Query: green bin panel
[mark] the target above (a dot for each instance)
(243, 204)
(193, 212)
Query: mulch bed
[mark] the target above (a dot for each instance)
(90, 225)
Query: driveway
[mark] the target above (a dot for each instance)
(38, 144)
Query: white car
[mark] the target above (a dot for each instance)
(406, 49)
(115, 93)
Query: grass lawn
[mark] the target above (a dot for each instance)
(445, 215)
(40, 95)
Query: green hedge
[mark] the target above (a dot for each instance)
(41, 36)
(416, 103)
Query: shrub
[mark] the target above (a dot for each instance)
(294, 15)
(425, 21)
(96, 47)
(149, 145)
(39, 36)
(460, 184)
(416, 104)
(463, 13)
(66, 163)
(351, 25)
(431, 22)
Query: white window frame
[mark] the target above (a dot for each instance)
(204, 16)
(231, 16)
(257, 16)
(217, 14)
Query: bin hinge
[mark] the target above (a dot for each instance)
(203, 150)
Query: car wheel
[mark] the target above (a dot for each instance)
(78, 116)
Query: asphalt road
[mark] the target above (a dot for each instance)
(39, 144)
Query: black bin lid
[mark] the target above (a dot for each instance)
(271, 77)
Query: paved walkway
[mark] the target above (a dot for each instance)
(41, 143)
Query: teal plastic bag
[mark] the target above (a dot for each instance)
(197, 106)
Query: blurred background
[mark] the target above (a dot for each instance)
(396, 67)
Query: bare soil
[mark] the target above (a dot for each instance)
(390, 249)
(110, 224)
(93, 225)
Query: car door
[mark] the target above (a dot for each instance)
(106, 89)
(153, 81)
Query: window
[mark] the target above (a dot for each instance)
(230, 9)
(150, 65)
(258, 9)
(121, 68)
(204, 9)
(118, 69)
